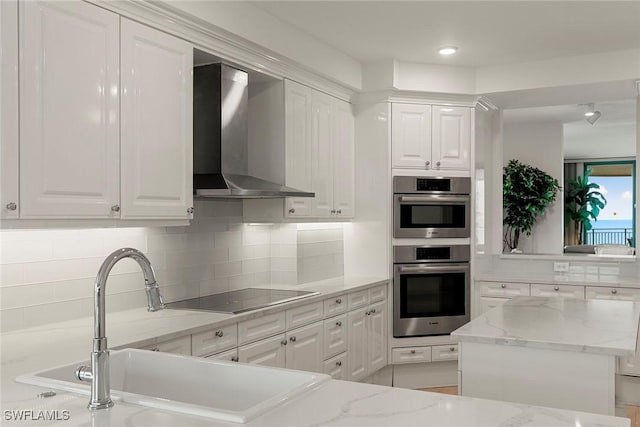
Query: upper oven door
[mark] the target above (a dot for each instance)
(431, 216)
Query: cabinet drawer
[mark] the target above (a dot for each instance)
(180, 345)
(411, 355)
(229, 355)
(602, 292)
(337, 367)
(335, 305)
(566, 291)
(304, 314)
(378, 293)
(261, 327)
(503, 289)
(444, 352)
(267, 352)
(214, 341)
(357, 299)
(487, 303)
(335, 336)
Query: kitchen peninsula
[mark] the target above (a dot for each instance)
(548, 351)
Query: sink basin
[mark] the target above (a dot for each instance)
(225, 391)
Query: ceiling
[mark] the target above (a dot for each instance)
(613, 135)
(487, 32)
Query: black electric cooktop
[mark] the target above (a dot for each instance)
(242, 300)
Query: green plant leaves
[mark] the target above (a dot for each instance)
(583, 203)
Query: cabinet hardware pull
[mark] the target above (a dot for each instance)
(438, 163)
(115, 208)
(452, 349)
(339, 301)
(413, 352)
(339, 363)
(219, 334)
(12, 206)
(426, 164)
(614, 291)
(339, 211)
(283, 342)
(333, 211)
(190, 210)
(292, 339)
(503, 286)
(292, 210)
(338, 324)
(556, 288)
(155, 349)
(234, 359)
(373, 310)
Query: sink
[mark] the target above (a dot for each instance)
(225, 391)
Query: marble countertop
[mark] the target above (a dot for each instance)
(335, 403)
(592, 326)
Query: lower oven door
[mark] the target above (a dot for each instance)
(430, 299)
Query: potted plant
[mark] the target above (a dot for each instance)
(527, 192)
(583, 203)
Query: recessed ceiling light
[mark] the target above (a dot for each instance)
(447, 50)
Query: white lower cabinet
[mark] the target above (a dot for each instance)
(411, 355)
(565, 291)
(229, 355)
(487, 303)
(335, 336)
(305, 349)
(367, 342)
(180, 345)
(267, 352)
(337, 367)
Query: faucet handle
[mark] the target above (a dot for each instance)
(83, 373)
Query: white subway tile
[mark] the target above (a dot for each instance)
(57, 312)
(12, 251)
(255, 265)
(284, 264)
(227, 269)
(228, 239)
(11, 274)
(25, 295)
(11, 320)
(208, 287)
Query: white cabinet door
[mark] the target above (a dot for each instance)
(343, 160)
(69, 128)
(565, 291)
(267, 352)
(377, 336)
(305, 349)
(157, 124)
(357, 344)
(451, 137)
(228, 356)
(321, 154)
(297, 107)
(337, 367)
(335, 336)
(411, 136)
(9, 125)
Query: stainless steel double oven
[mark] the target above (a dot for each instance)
(431, 283)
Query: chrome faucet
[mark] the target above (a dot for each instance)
(98, 373)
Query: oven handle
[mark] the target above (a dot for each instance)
(432, 199)
(428, 268)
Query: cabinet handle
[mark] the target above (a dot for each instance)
(292, 210)
(368, 313)
(614, 291)
(556, 288)
(338, 324)
(373, 310)
(333, 211)
(426, 164)
(339, 363)
(292, 339)
(452, 349)
(503, 286)
(339, 211)
(413, 352)
(234, 359)
(12, 206)
(339, 301)
(155, 349)
(438, 163)
(190, 210)
(115, 208)
(283, 342)
(219, 334)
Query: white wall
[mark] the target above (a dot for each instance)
(539, 145)
(48, 275)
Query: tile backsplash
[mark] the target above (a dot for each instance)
(48, 275)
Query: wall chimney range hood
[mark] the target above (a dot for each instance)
(220, 138)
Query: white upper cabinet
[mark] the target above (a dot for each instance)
(157, 124)
(451, 137)
(430, 137)
(322, 154)
(298, 146)
(343, 160)
(411, 136)
(69, 128)
(9, 207)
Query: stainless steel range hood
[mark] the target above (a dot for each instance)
(220, 138)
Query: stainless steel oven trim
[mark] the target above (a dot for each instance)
(407, 254)
(435, 325)
(407, 184)
(431, 231)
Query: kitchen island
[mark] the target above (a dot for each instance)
(548, 351)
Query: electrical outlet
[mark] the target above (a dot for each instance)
(561, 266)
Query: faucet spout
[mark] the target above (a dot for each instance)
(99, 378)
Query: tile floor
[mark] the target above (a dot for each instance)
(633, 412)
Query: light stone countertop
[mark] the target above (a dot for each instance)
(335, 403)
(590, 326)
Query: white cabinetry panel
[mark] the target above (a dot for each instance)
(268, 352)
(377, 336)
(451, 137)
(410, 355)
(343, 159)
(304, 314)
(337, 367)
(229, 355)
(503, 289)
(305, 348)
(157, 123)
(411, 136)
(260, 327)
(335, 336)
(566, 291)
(321, 154)
(69, 127)
(357, 345)
(180, 345)
(335, 305)
(605, 292)
(214, 341)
